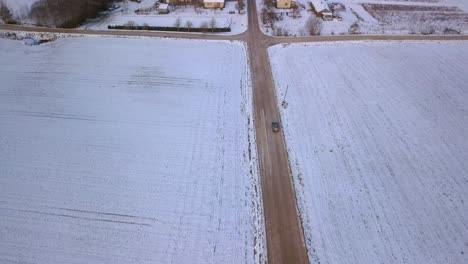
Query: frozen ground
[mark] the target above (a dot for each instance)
(387, 17)
(117, 150)
(199, 15)
(376, 136)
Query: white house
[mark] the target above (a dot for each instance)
(163, 9)
(285, 3)
(213, 3)
(322, 9)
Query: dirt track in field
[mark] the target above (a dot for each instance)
(284, 235)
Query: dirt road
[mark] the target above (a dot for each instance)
(125, 33)
(265, 40)
(285, 240)
(284, 235)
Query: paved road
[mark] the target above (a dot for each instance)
(284, 235)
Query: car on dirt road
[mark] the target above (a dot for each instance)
(113, 7)
(275, 126)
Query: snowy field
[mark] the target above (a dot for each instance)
(376, 17)
(198, 16)
(377, 140)
(119, 150)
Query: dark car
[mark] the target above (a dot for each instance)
(114, 7)
(275, 126)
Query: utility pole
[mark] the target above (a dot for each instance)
(284, 104)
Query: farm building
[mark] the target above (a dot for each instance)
(163, 9)
(285, 3)
(321, 8)
(213, 3)
(144, 11)
(177, 2)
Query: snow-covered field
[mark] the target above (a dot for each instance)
(387, 17)
(377, 140)
(199, 15)
(119, 150)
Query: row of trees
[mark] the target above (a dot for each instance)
(5, 13)
(178, 26)
(65, 13)
(204, 25)
(312, 27)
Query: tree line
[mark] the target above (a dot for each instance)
(5, 13)
(65, 13)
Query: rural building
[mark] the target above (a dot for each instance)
(163, 9)
(321, 9)
(144, 10)
(285, 3)
(213, 3)
(177, 2)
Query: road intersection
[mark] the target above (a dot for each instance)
(284, 234)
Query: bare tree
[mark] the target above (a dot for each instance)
(268, 16)
(212, 24)
(269, 3)
(296, 12)
(301, 32)
(5, 13)
(240, 6)
(354, 28)
(204, 26)
(178, 23)
(130, 24)
(125, 7)
(313, 25)
(229, 22)
(278, 31)
(189, 24)
(61, 13)
(264, 16)
(23, 12)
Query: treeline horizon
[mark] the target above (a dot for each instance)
(65, 13)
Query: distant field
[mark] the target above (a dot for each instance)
(377, 139)
(117, 150)
(419, 18)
